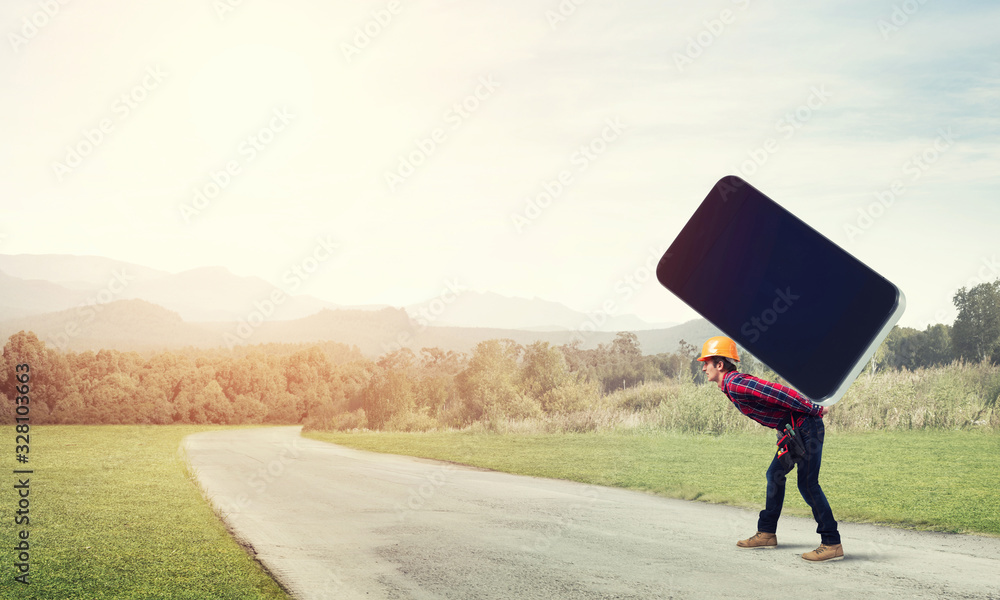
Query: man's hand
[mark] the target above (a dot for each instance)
(825, 410)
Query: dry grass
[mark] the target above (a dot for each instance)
(957, 396)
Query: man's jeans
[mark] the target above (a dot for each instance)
(812, 436)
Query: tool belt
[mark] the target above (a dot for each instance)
(791, 448)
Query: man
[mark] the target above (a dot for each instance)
(774, 405)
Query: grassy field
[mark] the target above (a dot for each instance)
(935, 480)
(114, 514)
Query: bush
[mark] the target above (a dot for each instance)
(956, 396)
(571, 397)
(410, 421)
(350, 420)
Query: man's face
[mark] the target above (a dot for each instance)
(712, 371)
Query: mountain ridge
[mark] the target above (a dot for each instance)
(138, 325)
(39, 284)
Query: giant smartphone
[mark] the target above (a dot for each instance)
(801, 304)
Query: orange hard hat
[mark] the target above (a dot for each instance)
(719, 345)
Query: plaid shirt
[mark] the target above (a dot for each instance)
(770, 404)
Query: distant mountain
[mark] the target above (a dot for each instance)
(488, 309)
(204, 294)
(71, 271)
(659, 341)
(141, 326)
(374, 332)
(215, 294)
(464, 339)
(42, 284)
(20, 297)
(122, 325)
(655, 341)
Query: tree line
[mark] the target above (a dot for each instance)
(974, 336)
(325, 385)
(333, 386)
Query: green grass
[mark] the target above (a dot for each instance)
(935, 480)
(114, 514)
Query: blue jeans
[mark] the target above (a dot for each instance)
(812, 433)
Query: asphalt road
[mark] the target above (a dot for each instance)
(331, 522)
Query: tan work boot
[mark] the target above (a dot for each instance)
(825, 552)
(759, 540)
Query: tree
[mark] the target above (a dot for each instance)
(936, 347)
(692, 352)
(389, 395)
(48, 374)
(151, 406)
(667, 365)
(248, 410)
(192, 404)
(437, 390)
(976, 333)
(543, 370)
(215, 406)
(111, 400)
(899, 349)
(626, 345)
(908, 348)
(576, 357)
(308, 374)
(390, 392)
(353, 379)
(583, 364)
(620, 363)
(491, 384)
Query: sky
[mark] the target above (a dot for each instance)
(395, 151)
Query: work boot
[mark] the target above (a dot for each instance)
(759, 540)
(825, 552)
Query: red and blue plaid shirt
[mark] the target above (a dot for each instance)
(768, 403)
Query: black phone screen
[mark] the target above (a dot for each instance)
(779, 288)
